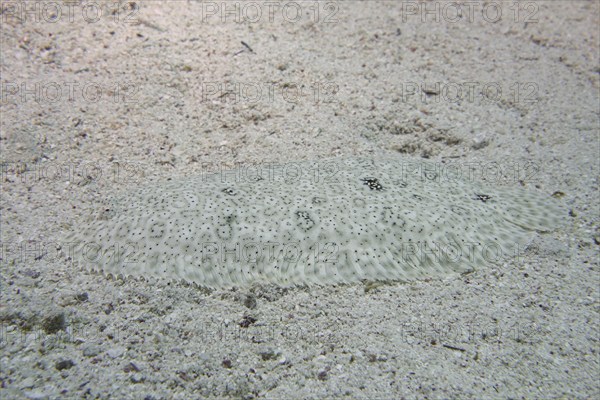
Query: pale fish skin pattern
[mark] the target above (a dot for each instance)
(311, 223)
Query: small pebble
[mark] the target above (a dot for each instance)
(82, 297)
(137, 378)
(91, 351)
(64, 364)
(115, 352)
(54, 322)
(322, 375)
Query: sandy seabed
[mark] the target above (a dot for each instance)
(100, 97)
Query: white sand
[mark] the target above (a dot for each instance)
(180, 90)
